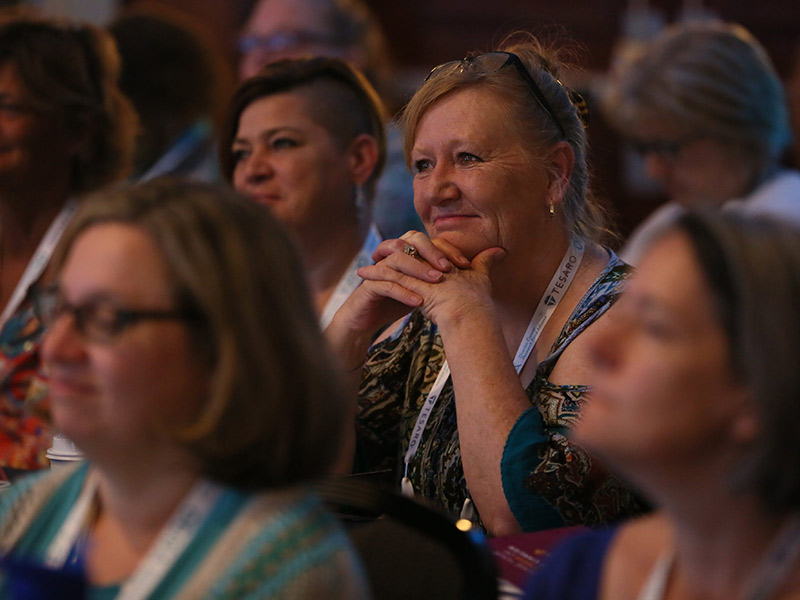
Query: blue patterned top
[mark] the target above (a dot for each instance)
(274, 544)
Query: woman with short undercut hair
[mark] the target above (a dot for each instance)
(305, 137)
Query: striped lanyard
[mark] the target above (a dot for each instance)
(173, 539)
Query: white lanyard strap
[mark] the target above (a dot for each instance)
(172, 541)
(558, 286)
(39, 260)
(350, 280)
(170, 544)
(179, 152)
(553, 295)
(656, 585)
(776, 565)
(781, 558)
(74, 525)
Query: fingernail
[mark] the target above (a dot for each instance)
(435, 275)
(445, 264)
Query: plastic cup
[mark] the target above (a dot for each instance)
(63, 453)
(64, 446)
(61, 462)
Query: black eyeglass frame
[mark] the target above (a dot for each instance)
(516, 62)
(123, 318)
(661, 147)
(281, 40)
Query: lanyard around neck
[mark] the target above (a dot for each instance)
(39, 260)
(779, 560)
(350, 280)
(169, 545)
(554, 293)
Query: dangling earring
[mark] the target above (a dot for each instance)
(360, 198)
(552, 210)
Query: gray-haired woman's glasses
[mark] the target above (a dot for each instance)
(98, 320)
(495, 61)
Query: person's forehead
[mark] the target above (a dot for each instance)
(288, 15)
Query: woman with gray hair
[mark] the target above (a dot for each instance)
(705, 108)
(697, 400)
(466, 402)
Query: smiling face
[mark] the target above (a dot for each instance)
(34, 149)
(475, 184)
(665, 398)
(116, 396)
(287, 161)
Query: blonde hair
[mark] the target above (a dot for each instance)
(538, 130)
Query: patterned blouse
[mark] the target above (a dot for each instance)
(25, 430)
(548, 480)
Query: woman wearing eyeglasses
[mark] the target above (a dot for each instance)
(467, 401)
(185, 361)
(706, 110)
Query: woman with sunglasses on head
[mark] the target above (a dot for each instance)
(185, 361)
(305, 137)
(65, 129)
(697, 400)
(468, 399)
(705, 108)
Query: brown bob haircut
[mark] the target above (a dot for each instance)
(275, 411)
(70, 72)
(752, 266)
(342, 101)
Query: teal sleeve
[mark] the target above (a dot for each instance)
(521, 457)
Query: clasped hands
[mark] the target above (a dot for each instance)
(433, 275)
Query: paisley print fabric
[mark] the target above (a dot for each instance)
(551, 482)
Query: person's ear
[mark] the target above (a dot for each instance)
(362, 154)
(560, 163)
(745, 425)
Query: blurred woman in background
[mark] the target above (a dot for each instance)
(65, 129)
(707, 111)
